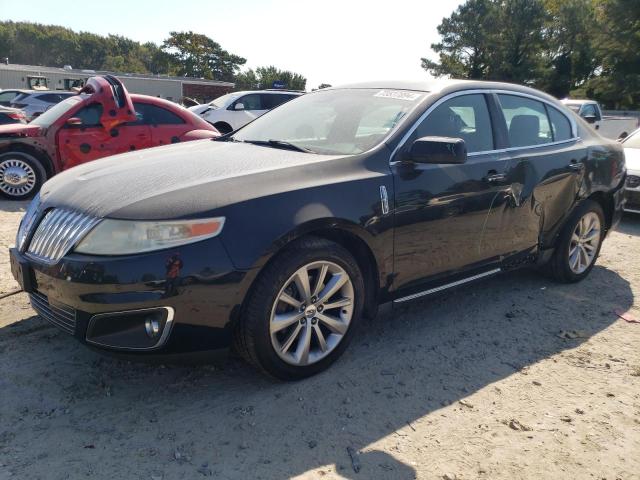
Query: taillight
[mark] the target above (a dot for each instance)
(17, 115)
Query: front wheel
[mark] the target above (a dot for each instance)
(302, 310)
(21, 175)
(579, 243)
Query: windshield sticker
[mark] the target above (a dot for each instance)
(398, 95)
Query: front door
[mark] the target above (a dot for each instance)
(441, 211)
(90, 140)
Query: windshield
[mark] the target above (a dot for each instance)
(223, 100)
(333, 122)
(51, 115)
(633, 140)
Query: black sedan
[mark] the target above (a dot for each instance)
(280, 237)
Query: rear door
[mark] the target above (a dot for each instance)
(545, 169)
(164, 125)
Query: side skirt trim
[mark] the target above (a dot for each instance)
(448, 285)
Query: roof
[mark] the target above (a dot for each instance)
(37, 69)
(447, 86)
(576, 101)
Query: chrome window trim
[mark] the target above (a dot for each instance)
(168, 326)
(459, 93)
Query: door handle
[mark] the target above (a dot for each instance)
(494, 177)
(575, 165)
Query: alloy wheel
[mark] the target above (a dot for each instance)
(17, 177)
(584, 243)
(312, 313)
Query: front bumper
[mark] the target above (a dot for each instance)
(197, 284)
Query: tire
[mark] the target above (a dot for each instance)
(21, 175)
(223, 127)
(562, 266)
(260, 336)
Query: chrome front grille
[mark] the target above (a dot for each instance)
(62, 316)
(58, 232)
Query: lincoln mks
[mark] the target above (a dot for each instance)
(279, 238)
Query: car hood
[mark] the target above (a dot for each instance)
(632, 159)
(19, 130)
(177, 181)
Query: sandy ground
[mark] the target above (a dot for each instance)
(479, 384)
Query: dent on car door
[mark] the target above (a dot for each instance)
(441, 210)
(545, 169)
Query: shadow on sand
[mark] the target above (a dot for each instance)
(400, 367)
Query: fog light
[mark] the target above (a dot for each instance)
(152, 327)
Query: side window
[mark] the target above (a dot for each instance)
(466, 117)
(559, 124)
(153, 115)
(272, 100)
(162, 116)
(90, 115)
(527, 122)
(251, 102)
(589, 110)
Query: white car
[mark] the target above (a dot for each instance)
(33, 103)
(631, 146)
(235, 110)
(614, 127)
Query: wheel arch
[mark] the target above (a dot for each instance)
(355, 239)
(606, 201)
(37, 153)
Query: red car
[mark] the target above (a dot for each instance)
(102, 120)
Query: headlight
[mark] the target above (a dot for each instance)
(27, 222)
(122, 237)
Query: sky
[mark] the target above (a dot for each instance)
(328, 41)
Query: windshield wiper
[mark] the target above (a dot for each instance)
(279, 144)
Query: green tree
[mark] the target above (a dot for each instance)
(199, 56)
(617, 80)
(467, 39)
(570, 55)
(264, 77)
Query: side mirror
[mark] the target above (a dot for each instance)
(74, 122)
(590, 118)
(438, 150)
(239, 106)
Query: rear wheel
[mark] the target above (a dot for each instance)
(302, 311)
(579, 243)
(21, 175)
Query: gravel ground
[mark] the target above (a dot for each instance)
(515, 377)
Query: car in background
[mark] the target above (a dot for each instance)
(610, 126)
(282, 236)
(234, 110)
(37, 102)
(102, 120)
(631, 146)
(11, 115)
(7, 96)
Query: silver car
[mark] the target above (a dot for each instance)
(35, 103)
